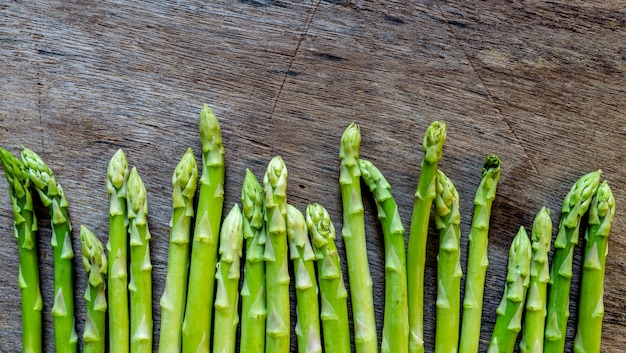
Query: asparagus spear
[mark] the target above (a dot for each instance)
(117, 246)
(140, 286)
(308, 325)
(535, 317)
(509, 321)
(253, 290)
(575, 205)
(52, 196)
(184, 183)
(416, 255)
(198, 313)
(591, 307)
(449, 273)
(95, 263)
(334, 310)
(353, 234)
(477, 260)
(25, 226)
(276, 262)
(396, 321)
(227, 276)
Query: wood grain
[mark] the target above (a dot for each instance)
(540, 84)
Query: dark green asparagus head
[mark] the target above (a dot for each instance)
(520, 255)
(298, 235)
(433, 141)
(42, 178)
(490, 176)
(350, 144)
(211, 135)
(375, 181)
(231, 236)
(185, 181)
(541, 239)
(602, 210)
(252, 204)
(16, 174)
(321, 229)
(137, 205)
(93, 256)
(446, 202)
(577, 201)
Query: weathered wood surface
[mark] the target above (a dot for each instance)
(541, 84)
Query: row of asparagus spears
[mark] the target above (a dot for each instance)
(204, 270)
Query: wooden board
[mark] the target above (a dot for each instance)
(540, 84)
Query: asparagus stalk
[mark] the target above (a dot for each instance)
(276, 262)
(396, 321)
(353, 234)
(184, 183)
(591, 307)
(477, 260)
(227, 276)
(535, 316)
(25, 226)
(95, 263)
(308, 325)
(509, 321)
(449, 273)
(52, 196)
(334, 305)
(140, 286)
(198, 313)
(253, 309)
(416, 255)
(117, 246)
(575, 205)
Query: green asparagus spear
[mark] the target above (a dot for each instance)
(353, 234)
(535, 317)
(301, 253)
(253, 310)
(477, 260)
(25, 226)
(117, 246)
(227, 276)
(509, 321)
(416, 255)
(449, 273)
(198, 313)
(396, 321)
(591, 307)
(334, 297)
(95, 263)
(276, 262)
(140, 286)
(575, 205)
(184, 183)
(52, 196)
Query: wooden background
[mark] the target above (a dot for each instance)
(540, 84)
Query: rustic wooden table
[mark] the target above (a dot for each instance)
(540, 84)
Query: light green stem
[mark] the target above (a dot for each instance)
(353, 234)
(95, 263)
(25, 226)
(308, 325)
(449, 273)
(198, 313)
(575, 205)
(591, 307)
(477, 259)
(117, 246)
(184, 183)
(396, 323)
(140, 286)
(253, 311)
(53, 197)
(228, 273)
(432, 146)
(535, 315)
(276, 257)
(333, 294)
